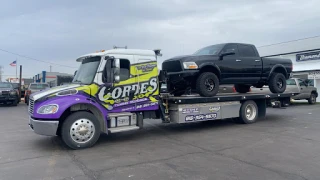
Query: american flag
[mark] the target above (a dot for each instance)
(14, 63)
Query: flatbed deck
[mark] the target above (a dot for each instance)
(191, 99)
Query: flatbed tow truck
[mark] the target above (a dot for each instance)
(116, 90)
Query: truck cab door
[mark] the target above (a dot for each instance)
(116, 82)
(229, 65)
(250, 62)
(303, 90)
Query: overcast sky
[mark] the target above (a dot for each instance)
(59, 31)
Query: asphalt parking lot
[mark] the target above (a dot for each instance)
(285, 145)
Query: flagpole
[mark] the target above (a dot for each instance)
(16, 68)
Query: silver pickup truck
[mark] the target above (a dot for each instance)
(295, 85)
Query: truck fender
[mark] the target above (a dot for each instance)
(211, 67)
(278, 66)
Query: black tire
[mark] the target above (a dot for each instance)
(241, 88)
(201, 84)
(243, 110)
(178, 93)
(277, 83)
(15, 102)
(67, 126)
(285, 102)
(312, 99)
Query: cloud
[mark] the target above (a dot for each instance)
(60, 31)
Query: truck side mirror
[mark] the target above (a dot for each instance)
(75, 73)
(116, 70)
(226, 54)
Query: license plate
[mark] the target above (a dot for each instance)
(123, 121)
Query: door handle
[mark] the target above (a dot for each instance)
(238, 60)
(257, 60)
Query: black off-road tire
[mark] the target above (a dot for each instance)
(179, 93)
(67, 125)
(312, 99)
(15, 102)
(242, 113)
(241, 88)
(201, 86)
(273, 83)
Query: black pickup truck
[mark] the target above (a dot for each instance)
(8, 94)
(229, 63)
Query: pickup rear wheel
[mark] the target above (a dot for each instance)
(277, 83)
(207, 84)
(80, 130)
(240, 88)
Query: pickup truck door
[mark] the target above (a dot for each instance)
(229, 67)
(303, 90)
(250, 63)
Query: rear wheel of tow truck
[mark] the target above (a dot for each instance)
(248, 112)
(241, 88)
(207, 84)
(80, 130)
(312, 99)
(277, 83)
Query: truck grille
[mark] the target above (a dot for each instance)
(31, 106)
(172, 66)
(4, 92)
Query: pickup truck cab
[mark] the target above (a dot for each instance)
(34, 87)
(229, 63)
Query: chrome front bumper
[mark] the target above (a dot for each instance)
(47, 128)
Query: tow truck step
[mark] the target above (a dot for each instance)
(123, 129)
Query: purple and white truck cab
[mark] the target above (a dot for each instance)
(108, 92)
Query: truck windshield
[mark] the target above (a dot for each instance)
(38, 86)
(87, 70)
(5, 85)
(210, 50)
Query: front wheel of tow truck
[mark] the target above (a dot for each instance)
(80, 130)
(248, 112)
(207, 84)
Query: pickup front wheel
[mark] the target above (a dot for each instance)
(207, 84)
(277, 83)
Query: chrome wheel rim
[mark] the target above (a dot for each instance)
(250, 112)
(209, 83)
(82, 130)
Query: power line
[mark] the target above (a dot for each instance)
(34, 58)
(290, 41)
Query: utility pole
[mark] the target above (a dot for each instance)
(1, 73)
(20, 81)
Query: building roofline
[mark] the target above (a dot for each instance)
(293, 52)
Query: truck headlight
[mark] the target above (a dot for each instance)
(67, 92)
(190, 65)
(13, 93)
(48, 109)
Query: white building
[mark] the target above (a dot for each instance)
(304, 54)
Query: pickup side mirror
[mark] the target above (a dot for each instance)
(75, 73)
(116, 70)
(227, 53)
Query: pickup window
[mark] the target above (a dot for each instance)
(291, 82)
(246, 51)
(231, 48)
